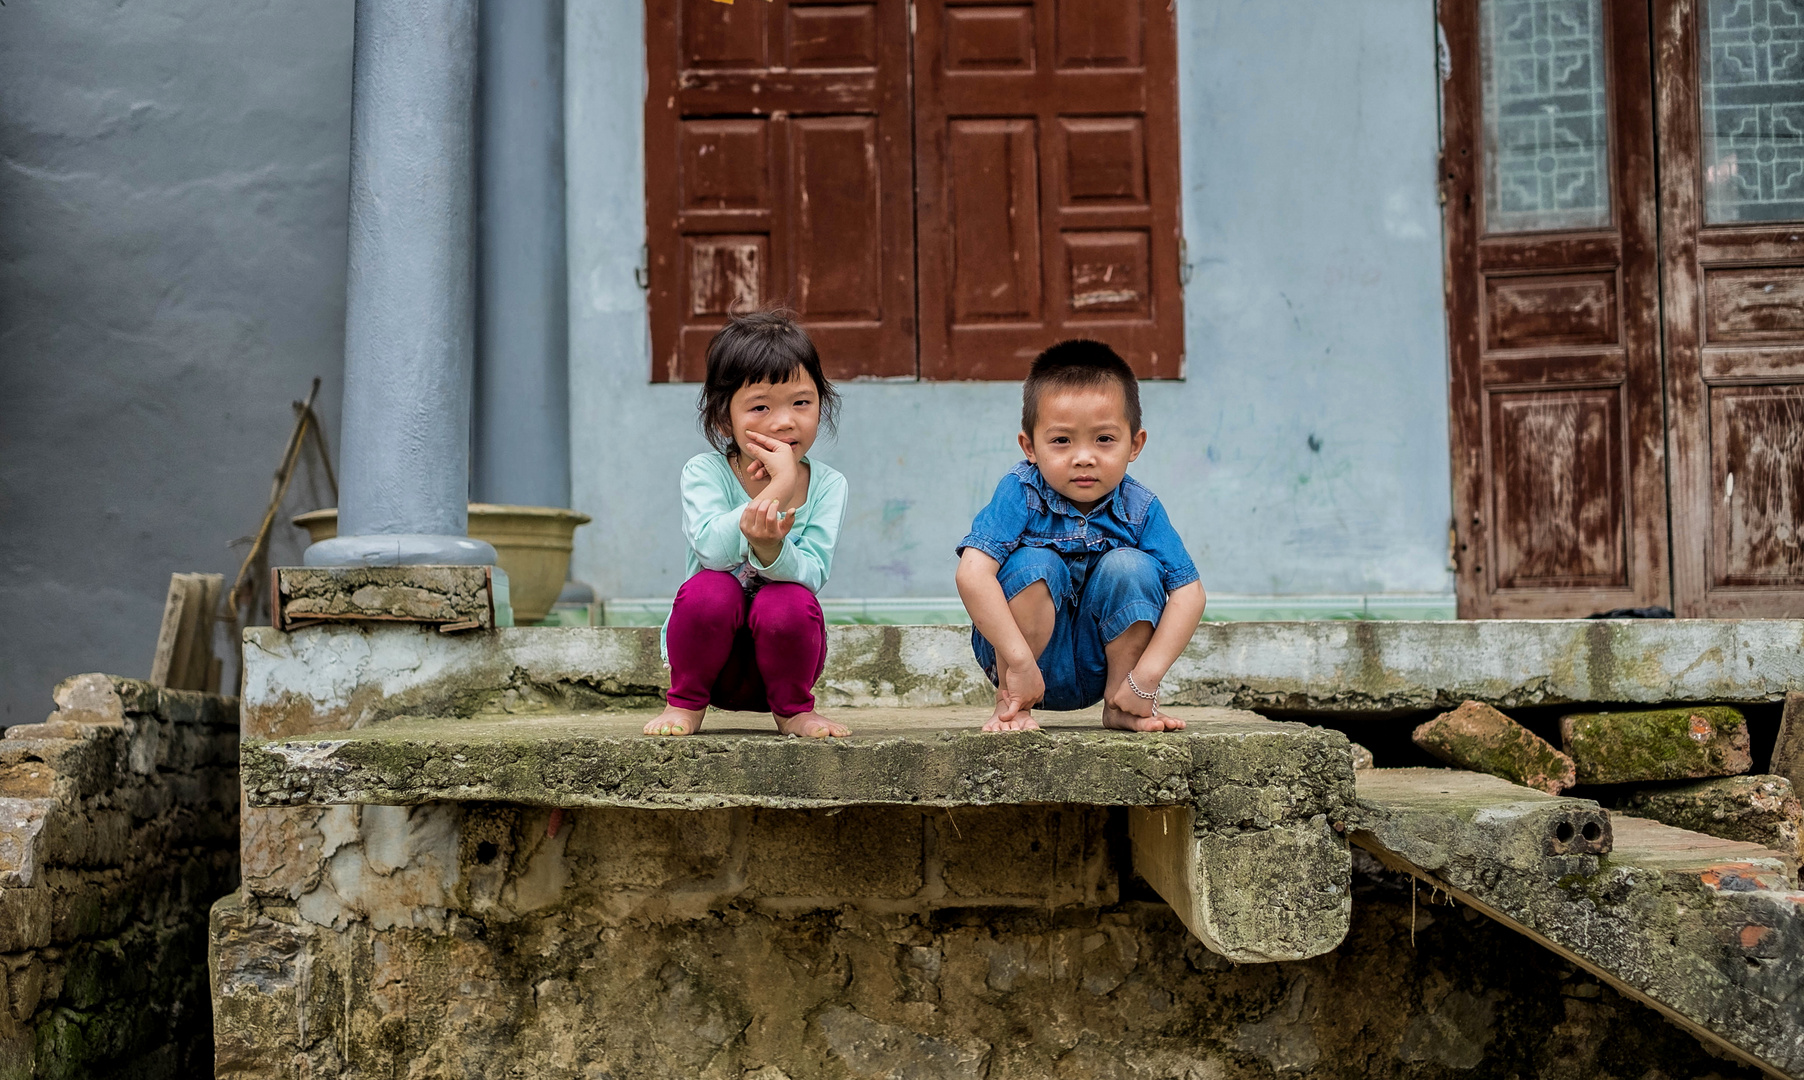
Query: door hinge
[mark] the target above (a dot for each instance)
(911, 19)
(1183, 261)
(642, 272)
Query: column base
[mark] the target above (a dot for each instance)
(401, 549)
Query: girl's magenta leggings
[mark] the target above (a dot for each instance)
(751, 653)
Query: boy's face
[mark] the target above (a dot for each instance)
(1082, 444)
(789, 412)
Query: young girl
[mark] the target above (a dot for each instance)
(761, 518)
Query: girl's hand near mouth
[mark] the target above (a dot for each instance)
(773, 460)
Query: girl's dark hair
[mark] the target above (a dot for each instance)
(757, 347)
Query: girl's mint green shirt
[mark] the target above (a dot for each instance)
(713, 501)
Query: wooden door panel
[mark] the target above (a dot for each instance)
(1754, 304)
(1730, 81)
(1102, 161)
(779, 171)
(1106, 273)
(1559, 502)
(1549, 367)
(989, 39)
(1559, 486)
(1048, 200)
(1101, 33)
(726, 36)
(1548, 310)
(836, 244)
(1757, 462)
(726, 165)
(837, 36)
(993, 198)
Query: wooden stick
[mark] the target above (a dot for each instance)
(318, 430)
(290, 457)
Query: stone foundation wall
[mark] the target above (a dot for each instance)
(870, 942)
(118, 827)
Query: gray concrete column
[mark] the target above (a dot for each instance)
(522, 445)
(409, 312)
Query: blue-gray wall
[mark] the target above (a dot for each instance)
(1305, 453)
(172, 259)
(172, 230)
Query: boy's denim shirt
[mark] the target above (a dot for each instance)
(1026, 511)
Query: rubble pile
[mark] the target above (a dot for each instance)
(1683, 766)
(118, 826)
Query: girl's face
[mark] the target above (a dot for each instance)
(788, 411)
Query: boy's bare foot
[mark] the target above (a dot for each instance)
(1122, 720)
(675, 721)
(1008, 718)
(810, 725)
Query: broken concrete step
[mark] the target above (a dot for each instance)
(1475, 736)
(452, 597)
(1657, 744)
(1707, 931)
(1256, 865)
(1760, 810)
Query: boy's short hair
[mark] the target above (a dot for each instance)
(1078, 364)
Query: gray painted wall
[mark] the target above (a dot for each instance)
(172, 258)
(172, 261)
(1305, 453)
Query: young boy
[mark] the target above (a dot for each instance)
(1078, 587)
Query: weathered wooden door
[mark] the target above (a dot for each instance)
(1047, 138)
(1730, 77)
(779, 168)
(1553, 308)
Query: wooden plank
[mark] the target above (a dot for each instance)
(168, 634)
(181, 660)
(206, 587)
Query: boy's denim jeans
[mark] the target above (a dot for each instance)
(1098, 596)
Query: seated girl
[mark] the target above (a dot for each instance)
(761, 517)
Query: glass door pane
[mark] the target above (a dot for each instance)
(1546, 115)
(1752, 98)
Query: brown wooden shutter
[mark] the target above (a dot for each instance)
(1047, 160)
(779, 171)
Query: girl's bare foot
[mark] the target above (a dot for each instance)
(1122, 720)
(675, 721)
(810, 725)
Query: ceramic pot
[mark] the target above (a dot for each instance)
(532, 542)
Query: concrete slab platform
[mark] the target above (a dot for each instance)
(1709, 932)
(1255, 861)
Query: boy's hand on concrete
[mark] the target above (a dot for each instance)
(1021, 690)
